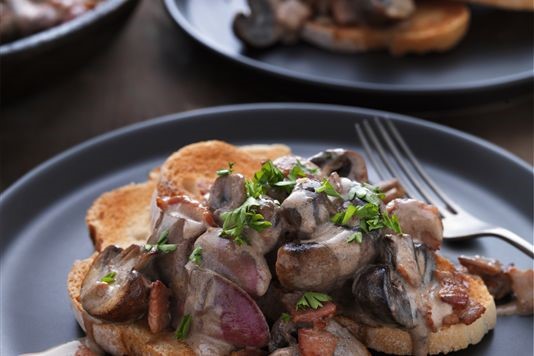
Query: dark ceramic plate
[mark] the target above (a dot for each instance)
(39, 58)
(496, 54)
(42, 215)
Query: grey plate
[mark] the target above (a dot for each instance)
(495, 54)
(35, 61)
(42, 215)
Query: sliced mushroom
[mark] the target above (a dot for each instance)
(286, 351)
(304, 210)
(291, 15)
(227, 193)
(419, 220)
(324, 262)
(282, 334)
(346, 163)
(171, 266)
(380, 298)
(124, 295)
(260, 28)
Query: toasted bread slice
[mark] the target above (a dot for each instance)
(518, 5)
(121, 217)
(191, 170)
(449, 338)
(435, 26)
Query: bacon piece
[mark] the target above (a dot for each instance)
(316, 342)
(314, 315)
(159, 316)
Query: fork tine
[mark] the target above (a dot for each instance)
(451, 206)
(380, 169)
(404, 167)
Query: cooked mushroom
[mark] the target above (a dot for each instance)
(380, 298)
(117, 286)
(346, 163)
(260, 28)
(282, 334)
(286, 351)
(419, 220)
(325, 261)
(227, 193)
(304, 210)
(291, 15)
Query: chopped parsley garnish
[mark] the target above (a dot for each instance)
(226, 171)
(366, 192)
(285, 317)
(235, 221)
(299, 170)
(312, 300)
(355, 237)
(196, 255)
(327, 188)
(371, 218)
(161, 245)
(183, 328)
(109, 278)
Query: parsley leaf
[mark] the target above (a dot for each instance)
(392, 222)
(285, 317)
(226, 171)
(196, 255)
(183, 329)
(109, 278)
(366, 192)
(299, 170)
(312, 300)
(235, 221)
(327, 188)
(161, 245)
(355, 237)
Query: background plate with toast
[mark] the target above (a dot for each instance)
(43, 215)
(495, 54)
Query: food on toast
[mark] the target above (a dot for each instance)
(254, 249)
(399, 26)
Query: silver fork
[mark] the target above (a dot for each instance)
(458, 224)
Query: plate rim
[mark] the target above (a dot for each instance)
(48, 164)
(45, 37)
(498, 83)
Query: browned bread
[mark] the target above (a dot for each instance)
(191, 170)
(505, 4)
(435, 26)
(121, 217)
(448, 339)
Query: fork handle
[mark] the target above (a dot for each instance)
(512, 239)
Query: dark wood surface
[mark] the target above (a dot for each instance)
(153, 69)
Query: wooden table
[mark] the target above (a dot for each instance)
(153, 69)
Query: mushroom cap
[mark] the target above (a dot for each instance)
(346, 163)
(125, 298)
(260, 28)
